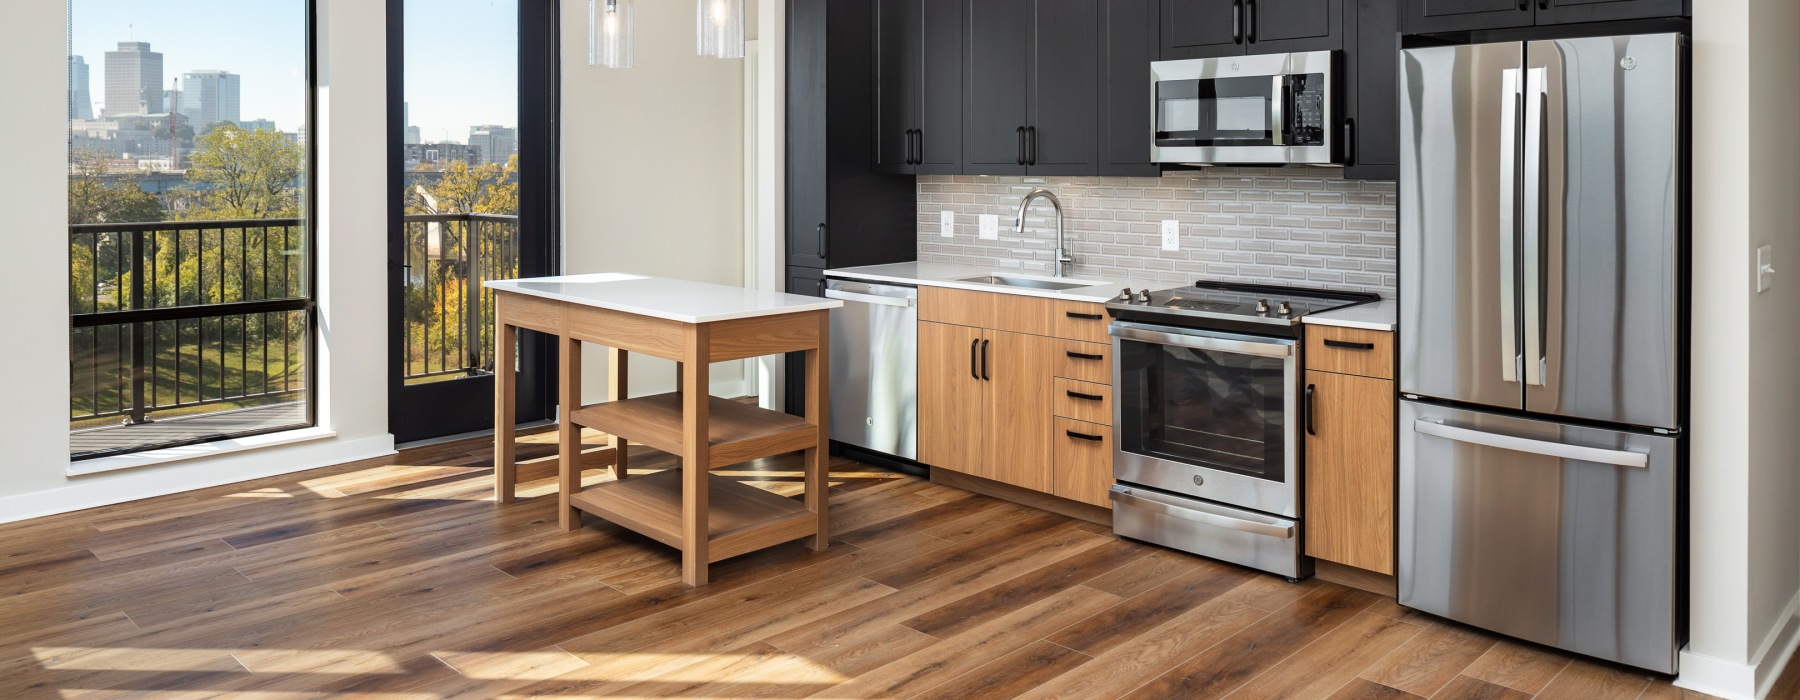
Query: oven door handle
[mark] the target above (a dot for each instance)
(1240, 347)
(1197, 512)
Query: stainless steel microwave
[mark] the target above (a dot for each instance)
(1273, 109)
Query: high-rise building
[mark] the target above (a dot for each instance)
(134, 83)
(209, 97)
(81, 104)
(496, 142)
(256, 124)
(412, 132)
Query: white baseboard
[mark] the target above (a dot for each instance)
(1752, 681)
(119, 487)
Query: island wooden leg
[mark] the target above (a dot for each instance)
(818, 457)
(618, 368)
(695, 460)
(569, 437)
(505, 409)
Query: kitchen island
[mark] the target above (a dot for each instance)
(694, 324)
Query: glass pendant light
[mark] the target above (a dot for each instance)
(720, 27)
(609, 33)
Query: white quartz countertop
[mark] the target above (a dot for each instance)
(1097, 290)
(661, 297)
(1380, 316)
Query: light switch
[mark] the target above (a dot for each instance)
(1765, 268)
(1171, 234)
(990, 227)
(946, 224)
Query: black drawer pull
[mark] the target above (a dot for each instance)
(1082, 316)
(1347, 345)
(984, 361)
(1084, 397)
(1311, 389)
(1083, 436)
(973, 344)
(1084, 356)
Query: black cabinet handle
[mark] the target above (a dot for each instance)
(972, 345)
(1524, 5)
(1019, 148)
(1084, 397)
(1031, 145)
(909, 135)
(1347, 345)
(824, 247)
(1250, 21)
(1349, 142)
(1083, 355)
(1543, 4)
(984, 361)
(1082, 316)
(1237, 21)
(1310, 391)
(918, 146)
(821, 286)
(1083, 436)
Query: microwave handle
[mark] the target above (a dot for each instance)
(1278, 91)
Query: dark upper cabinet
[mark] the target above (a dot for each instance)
(1031, 75)
(1213, 28)
(1371, 90)
(1128, 44)
(840, 211)
(918, 77)
(1429, 16)
(1202, 28)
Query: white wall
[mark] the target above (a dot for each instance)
(653, 170)
(1745, 526)
(351, 221)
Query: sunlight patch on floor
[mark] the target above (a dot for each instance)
(271, 492)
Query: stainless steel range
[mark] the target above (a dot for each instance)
(1206, 449)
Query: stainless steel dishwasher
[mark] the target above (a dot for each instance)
(875, 366)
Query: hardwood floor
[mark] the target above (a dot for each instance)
(399, 578)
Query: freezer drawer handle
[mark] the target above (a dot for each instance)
(1126, 496)
(1347, 345)
(1539, 447)
(871, 298)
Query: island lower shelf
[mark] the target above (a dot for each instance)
(737, 432)
(740, 518)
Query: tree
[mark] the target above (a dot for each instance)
(98, 197)
(243, 174)
(489, 188)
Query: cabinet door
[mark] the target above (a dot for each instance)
(1371, 97)
(898, 71)
(1202, 28)
(1128, 44)
(951, 394)
(1421, 16)
(806, 134)
(1350, 470)
(1569, 11)
(994, 78)
(1084, 455)
(1062, 115)
(939, 139)
(1287, 26)
(1020, 373)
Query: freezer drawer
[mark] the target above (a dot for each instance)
(1557, 534)
(1256, 540)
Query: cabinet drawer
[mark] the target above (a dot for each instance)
(1350, 351)
(959, 307)
(1084, 401)
(1080, 320)
(1088, 362)
(1083, 463)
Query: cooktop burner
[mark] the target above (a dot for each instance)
(1255, 303)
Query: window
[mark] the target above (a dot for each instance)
(190, 245)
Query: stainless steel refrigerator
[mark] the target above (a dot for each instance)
(1541, 330)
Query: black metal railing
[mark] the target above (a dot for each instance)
(172, 315)
(449, 314)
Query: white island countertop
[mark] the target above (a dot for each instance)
(661, 297)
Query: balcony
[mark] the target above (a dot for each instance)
(192, 331)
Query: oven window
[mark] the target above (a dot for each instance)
(1205, 408)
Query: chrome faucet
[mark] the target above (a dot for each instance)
(1062, 253)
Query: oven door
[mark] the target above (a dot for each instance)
(1207, 414)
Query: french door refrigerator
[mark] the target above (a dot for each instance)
(1541, 293)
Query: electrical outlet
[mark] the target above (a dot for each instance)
(1765, 268)
(1171, 234)
(947, 223)
(990, 227)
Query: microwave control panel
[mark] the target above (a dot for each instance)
(1307, 123)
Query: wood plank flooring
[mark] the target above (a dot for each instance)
(398, 578)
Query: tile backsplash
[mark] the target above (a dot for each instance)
(1304, 227)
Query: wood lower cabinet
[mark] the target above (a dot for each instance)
(1017, 369)
(1350, 469)
(952, 398)
(1083, 469)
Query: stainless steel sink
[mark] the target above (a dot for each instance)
(1028, 282)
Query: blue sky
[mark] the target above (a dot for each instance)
(461, 54)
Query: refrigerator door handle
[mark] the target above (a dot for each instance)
(1509, 190)
(1537, 447)
(1533, 222)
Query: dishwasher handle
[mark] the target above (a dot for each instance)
(871, 298)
